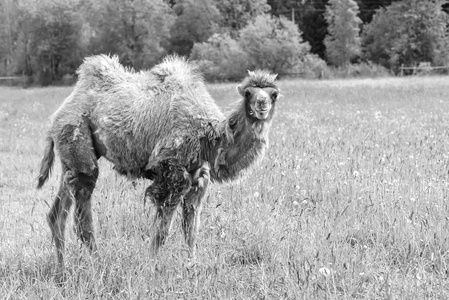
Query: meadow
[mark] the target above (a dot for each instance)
(350, 202)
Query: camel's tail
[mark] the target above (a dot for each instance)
(47, 163)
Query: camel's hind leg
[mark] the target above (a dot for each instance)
(192, 206)
(170, 184)
(80, 172)
(57, 218)
(84, 186)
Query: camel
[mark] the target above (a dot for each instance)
(159, 124)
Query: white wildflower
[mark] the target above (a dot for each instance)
(324, 272)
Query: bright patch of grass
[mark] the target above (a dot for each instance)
(351, 202)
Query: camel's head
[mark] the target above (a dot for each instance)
(259, 93)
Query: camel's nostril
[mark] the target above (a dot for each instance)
(262, 105)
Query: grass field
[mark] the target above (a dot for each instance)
(351, 202)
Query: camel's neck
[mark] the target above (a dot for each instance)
(242, 142)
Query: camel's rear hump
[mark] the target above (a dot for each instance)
(102, 71)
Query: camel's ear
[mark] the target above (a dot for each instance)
(279, 94)
(241, 90)
(276, 94)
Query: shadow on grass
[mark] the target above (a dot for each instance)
(252, 255)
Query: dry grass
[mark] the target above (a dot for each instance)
(351, 202)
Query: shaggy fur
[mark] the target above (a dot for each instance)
(160, 124)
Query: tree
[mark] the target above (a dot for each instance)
(273, 43)
(136, 30)
(408, 32)
(368, 8)
(221, 58)
(309, 16)
(266, 42)
(8, 35)
(343, 41)
(237, 13)
(196, 21)
(47, 46)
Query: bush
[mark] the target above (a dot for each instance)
(273, 43)
(362, 70)
(313, 66)
(220, 58)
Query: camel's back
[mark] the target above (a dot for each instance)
(173, 88)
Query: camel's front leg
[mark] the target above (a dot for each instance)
(171, 183)
(192, 206)
(161, 225)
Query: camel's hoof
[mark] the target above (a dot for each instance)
(60, 278)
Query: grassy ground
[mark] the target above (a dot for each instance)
(351, 202)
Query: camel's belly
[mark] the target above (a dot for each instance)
(129, 158)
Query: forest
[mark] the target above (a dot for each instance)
(45, 41)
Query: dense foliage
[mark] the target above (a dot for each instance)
(265, 42)
(343, 41)
(408, 32)
(196, 21)
(273, 43)
(122, 27)
(221, 58)
(46, 40)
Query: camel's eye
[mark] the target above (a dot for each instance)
(274, 95)
(247, 94)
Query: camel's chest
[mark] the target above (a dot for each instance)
(232, 162)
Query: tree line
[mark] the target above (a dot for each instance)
(46, 40)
